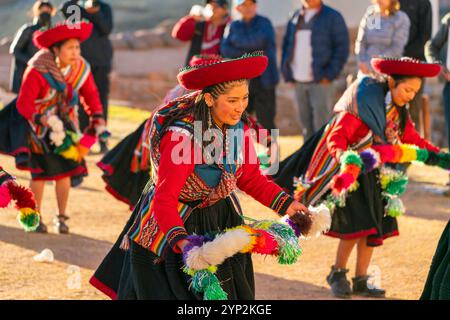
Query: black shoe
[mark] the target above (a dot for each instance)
(360, 288)
(339, 284)
(60, 224)
(42, 228)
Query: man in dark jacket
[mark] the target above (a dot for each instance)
(315, 49)
(97, 50)
(420, 15)
(255, 33)
(22, 47)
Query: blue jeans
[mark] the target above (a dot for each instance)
(447, 109)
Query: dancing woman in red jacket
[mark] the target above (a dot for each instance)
(188, 194)
(371, 111)
(43, 134)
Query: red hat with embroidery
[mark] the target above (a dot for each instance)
(405, 66)
(213, 71)
(201, 59)
(45, 39)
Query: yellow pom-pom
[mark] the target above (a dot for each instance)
(71, 153)
(409, 153)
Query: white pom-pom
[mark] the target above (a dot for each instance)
(58, 127)
(53, 120)
(215, 252)
(225, 245)
(321, 220)
(195, 261)
(57, 138)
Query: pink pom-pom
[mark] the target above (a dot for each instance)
(87, 141)
(386, 152)
(265, 243)
(5, 197)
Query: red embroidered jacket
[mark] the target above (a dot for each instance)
(172, 177)
(34, 87)
(349, 129)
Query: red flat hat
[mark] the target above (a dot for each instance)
(45, 39)
(405, 66)
(202, 59)
(215, 71)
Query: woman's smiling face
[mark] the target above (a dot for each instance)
(228, 107)
(405, 90)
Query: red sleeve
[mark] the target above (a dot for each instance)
(32, 85)
(184, 29)
(411, 136)
(170, 180)
(347, 130)
(258, 186)
(89, 93)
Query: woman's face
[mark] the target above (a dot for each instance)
(405, 91)
(228, 108)
(45, 9)
(247, 10)
(69, 53)
(216, 12)
(383, 4)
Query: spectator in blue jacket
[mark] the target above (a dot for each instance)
(255, 33)
(315, 49)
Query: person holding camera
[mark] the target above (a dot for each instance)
(203, 27)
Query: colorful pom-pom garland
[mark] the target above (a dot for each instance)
(23, 198)
(203, 254)
(393, 182)
(71, 145)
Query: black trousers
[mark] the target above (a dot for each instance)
(101, 79)
(262, 101)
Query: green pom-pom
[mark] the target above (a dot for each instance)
(75, 137)
(397, 186)
(444, 160)
(215, 292)
(208, 283)
(422, 154)
(29, 222)
(330, 205)
(395, 207)
(65, 145)
(351, 157)
(289, 249)
(264, 160)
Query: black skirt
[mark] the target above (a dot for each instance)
(123, 184)
(140, 274)
(16, 138)
(363, 214)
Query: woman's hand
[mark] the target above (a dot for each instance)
(44, 121)
(181, 244)
(295, 207)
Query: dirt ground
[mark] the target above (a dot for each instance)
(97, 219)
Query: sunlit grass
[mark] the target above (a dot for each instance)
(127, 113)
